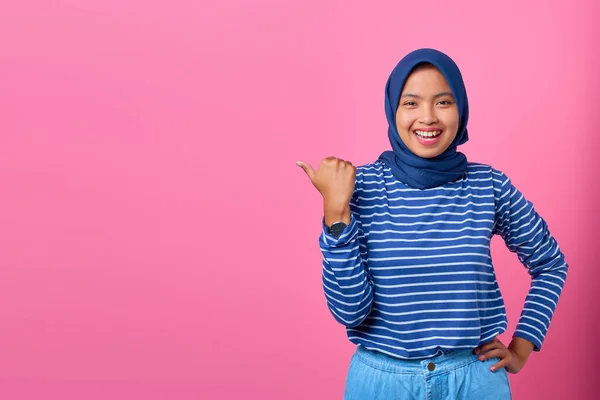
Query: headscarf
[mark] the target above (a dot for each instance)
(407, 167)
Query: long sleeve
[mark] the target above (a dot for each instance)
(526, 234)
(346, 283)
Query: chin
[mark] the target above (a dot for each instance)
(428, 154)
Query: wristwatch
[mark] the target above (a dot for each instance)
(336, 229)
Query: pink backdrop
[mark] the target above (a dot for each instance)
(157, 240)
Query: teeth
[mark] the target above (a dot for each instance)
(428, 134)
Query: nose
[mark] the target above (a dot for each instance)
(428, 116)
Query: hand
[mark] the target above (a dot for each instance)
(513, 357)
(335, 181)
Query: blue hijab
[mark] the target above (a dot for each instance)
(415, 171)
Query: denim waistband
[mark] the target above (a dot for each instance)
(443, 363)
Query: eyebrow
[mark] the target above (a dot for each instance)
(435, 97)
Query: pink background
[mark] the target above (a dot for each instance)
(157, 240)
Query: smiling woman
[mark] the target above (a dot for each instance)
(407, 264)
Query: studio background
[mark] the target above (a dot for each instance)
(157, 240)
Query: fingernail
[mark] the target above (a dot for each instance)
(477, 351)
(492, 369)
(298, 163)
(482, 358)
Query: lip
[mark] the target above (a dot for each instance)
(428, 129)
(428, 142)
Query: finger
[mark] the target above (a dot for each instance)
(477, 349)
(494, 344)
(500, 364)
(307, 168)
(487, 347)
(500, 353)
(330, 161)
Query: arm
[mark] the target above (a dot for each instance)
(526, 234)
(347, 286)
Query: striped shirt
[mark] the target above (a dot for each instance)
(411, 276)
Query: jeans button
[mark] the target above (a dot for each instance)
(431, 366)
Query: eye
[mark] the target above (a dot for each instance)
(410, 103)
(444, 102)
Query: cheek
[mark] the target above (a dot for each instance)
(404, 121)
(450, 121)
(454, 117)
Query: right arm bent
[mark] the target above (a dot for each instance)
(348, 288)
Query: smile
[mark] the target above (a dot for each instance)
(428, 134)
(429, 137)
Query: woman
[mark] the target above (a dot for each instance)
(406, 251)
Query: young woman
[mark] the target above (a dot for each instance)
(406, 251)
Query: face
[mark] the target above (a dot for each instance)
(427, 115)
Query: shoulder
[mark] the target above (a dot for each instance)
(479, 170)
(500, 182)
(371, 178)
(371, 172)
(375, 167)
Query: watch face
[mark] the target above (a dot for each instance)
(337, 228)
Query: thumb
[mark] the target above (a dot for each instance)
(307, 168)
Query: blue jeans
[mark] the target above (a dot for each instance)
(451, 376)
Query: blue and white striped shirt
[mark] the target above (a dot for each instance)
(412, 275)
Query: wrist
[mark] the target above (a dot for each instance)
(336, 214)
(522, 348)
